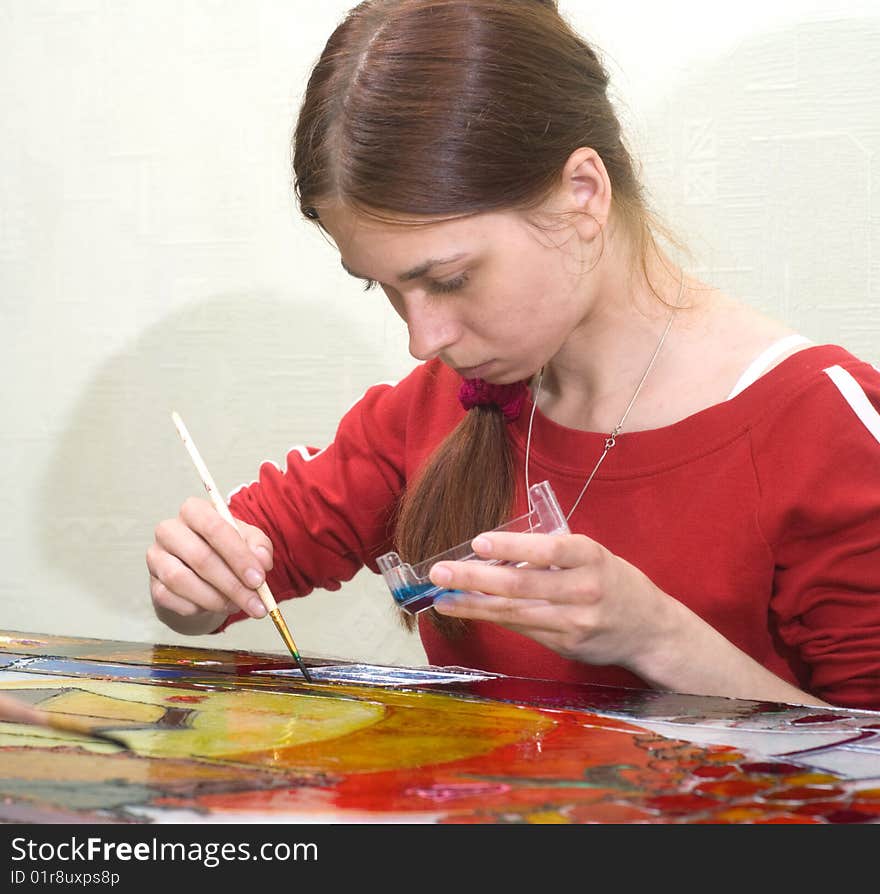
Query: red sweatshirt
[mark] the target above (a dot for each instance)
(761, 514)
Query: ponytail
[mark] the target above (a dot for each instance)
(435, 513)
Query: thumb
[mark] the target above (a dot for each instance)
(260, 544)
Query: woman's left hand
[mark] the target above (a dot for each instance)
(574, 597)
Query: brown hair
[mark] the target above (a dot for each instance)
(449, 108)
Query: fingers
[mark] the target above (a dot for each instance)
(565, 591)
(538, 575)
(188, 568)
(260, 545)
(544, 584)
(206, 599)
(498, 580)
(200, 563)
(540, 550)
(236, 551)
(537, 614)
(263, 553)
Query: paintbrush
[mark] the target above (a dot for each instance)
(263, 590)
(14, 711)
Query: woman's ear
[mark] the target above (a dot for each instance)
(585, 193)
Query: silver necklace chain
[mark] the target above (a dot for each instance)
(611, 440)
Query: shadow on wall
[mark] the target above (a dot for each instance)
(767, 160)
(250, 375)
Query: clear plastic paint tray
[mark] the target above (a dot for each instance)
(410, 585)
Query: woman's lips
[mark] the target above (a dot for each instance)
(474, 372)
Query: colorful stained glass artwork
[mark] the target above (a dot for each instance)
(231, 736)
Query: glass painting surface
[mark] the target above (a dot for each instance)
(230, 736)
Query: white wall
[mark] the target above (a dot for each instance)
(151, 258)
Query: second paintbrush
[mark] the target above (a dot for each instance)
(263, 590)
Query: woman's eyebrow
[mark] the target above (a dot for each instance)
(416, 272)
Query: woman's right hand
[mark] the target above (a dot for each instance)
(202, 570)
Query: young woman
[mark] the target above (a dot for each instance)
(720, 474)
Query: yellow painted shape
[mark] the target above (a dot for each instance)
(233, 724)
(552, 817)
(725, 757)
(223, 723)
(93, 704)
(284, 731)
(811, 779)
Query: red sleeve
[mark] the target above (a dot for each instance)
(817, 458)
(331, 511)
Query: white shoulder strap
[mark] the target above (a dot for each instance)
(765, 360)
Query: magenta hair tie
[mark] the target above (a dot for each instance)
(508, 398)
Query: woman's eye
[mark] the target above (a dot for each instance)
(451, 285)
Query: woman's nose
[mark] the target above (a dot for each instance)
(431, 329)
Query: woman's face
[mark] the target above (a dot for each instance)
(491, 296)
